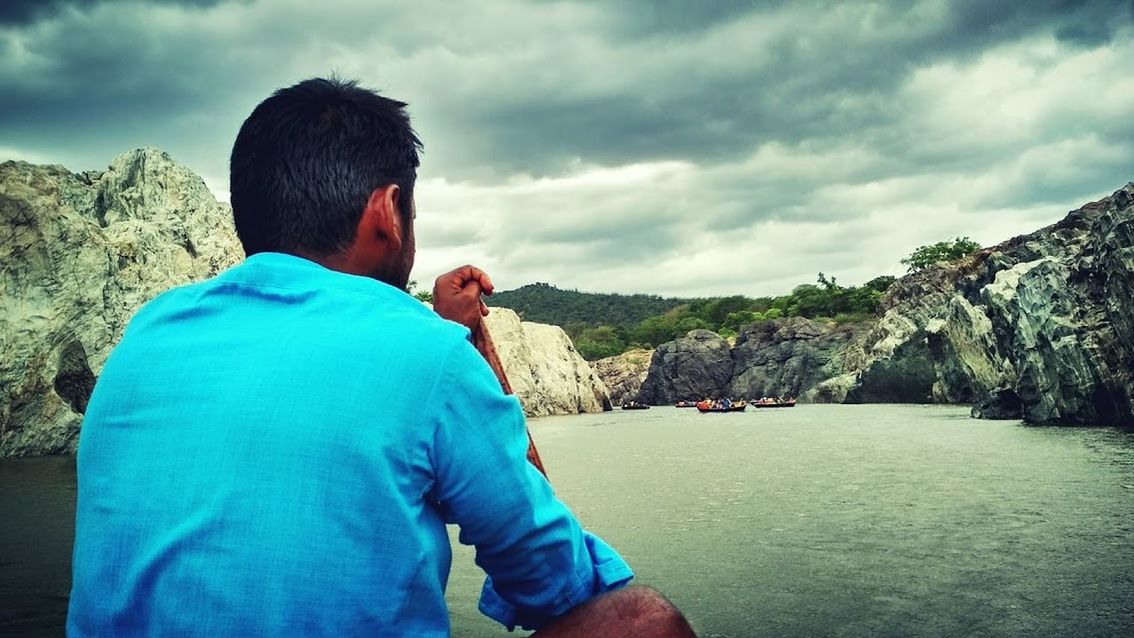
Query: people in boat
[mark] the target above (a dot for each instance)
(277, 450)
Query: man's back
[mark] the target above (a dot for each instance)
(256, 460)
(276, 451)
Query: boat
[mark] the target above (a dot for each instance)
(773, 404)
(685, 404)
(634, 405)
(711, 406)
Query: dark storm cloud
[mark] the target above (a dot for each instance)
(696, 101)
(633, 136)
(798, 89)
(19, 12)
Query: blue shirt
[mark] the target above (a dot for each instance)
(277, 450)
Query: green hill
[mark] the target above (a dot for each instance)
(545, 303)
(602, 325)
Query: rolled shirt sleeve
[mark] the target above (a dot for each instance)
(540, 562)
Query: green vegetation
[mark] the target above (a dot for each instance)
(545, 303)
(926, 256)
(420, 295)
(604, 325)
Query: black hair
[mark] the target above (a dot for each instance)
(307, 159)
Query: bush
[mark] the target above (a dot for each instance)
(599, 343)
(926, 256)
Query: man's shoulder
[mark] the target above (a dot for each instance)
(411, 328)
(343, 306)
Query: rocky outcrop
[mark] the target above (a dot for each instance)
(623, 374)
(1038, 327)
(787, 357)
(79, 254)
(695, 366)
(782, 357)
(545, 371)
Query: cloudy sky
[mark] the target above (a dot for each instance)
(679, 148)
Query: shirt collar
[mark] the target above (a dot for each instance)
(281, 270)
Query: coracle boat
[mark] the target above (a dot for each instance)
(773, 404)
(711, 406)
(685, 404)
(634, 405)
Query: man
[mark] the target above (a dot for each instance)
(276, 451)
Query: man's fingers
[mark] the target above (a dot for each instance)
(460, 277)
(483, 308)
(471, 289)
(485, 281)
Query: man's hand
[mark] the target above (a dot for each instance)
(456, 295)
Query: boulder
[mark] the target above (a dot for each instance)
(692, 367)
(786, 357)
(80, 253)
(623, 374)
(546, 372)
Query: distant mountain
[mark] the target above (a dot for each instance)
(545, 303)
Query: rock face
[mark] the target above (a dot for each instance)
(623, 374)
(546, 372)
(1038, 327)
(782, 357)
(80, 253)
(786, 357)
(695, 366)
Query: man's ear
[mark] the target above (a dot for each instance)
(381, 222)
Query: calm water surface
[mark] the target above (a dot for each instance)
(814, 521)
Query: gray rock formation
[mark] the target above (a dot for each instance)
(695, 366)
(1038, 327)
(79, 254)
(546, 372)
(782, 357)
(786, 357)
(624, 374)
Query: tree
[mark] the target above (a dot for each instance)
(716, 311)
(420, 295)
(599, 343)
(741, 318)
(880, 284)
(926, 256)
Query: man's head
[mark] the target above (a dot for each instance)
(326, 170)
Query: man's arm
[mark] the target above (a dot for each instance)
(539, 561)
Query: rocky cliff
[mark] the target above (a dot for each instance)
(623, 374)
(782, 357)
(79, 253)
(546, 372)
(695, 366)
(1038, 327)
(787, 357)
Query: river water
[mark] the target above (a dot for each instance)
(815, 521)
